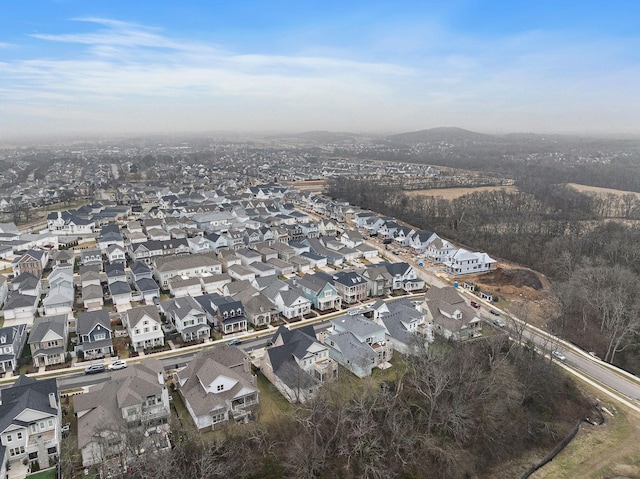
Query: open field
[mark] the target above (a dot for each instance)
(600, 452)
(600, 191)
(453, 193)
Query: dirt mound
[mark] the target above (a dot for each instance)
(516, 278)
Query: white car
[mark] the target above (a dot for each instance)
(118, 364)
(559, 356)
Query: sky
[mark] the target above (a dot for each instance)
(105, 67)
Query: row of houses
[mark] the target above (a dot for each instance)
(299, 362)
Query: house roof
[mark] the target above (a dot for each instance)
(27, 393)
(90, 319)
(135, 315)
(204, 368)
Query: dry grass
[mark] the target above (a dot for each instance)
(599, 452)
(453, 193)
(601, 191)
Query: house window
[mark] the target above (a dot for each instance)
(100, 337)
(50, 422)
(9, 438)
(220, 387)
(17, 451)
(19, 435)
(217, 418)
(137, 331)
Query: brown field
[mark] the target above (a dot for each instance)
(453, 193)
(600, 191)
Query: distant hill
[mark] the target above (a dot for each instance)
(322, 136)
(444, 134)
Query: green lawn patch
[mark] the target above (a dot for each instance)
(48, 474)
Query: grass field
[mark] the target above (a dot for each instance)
(601, 191)
(453, 193)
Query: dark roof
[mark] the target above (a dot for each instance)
(27, 393)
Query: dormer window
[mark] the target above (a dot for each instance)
(220, 387)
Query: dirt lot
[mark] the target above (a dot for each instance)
(522, 291)
(600, 191)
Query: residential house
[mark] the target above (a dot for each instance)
(351, 287)
(180, 286)
(258, 310)
(358, 344)
(110, 236)
(239, 272)
(213, 283)
(4, 289)
(140, 269)
(61, 258)
(439, 250)
(199, 244)
(116, 254)
(327, 227)
(217, 386)
(12, 339)
(405, 277)
(115, 272)
(89, 275)
(224, 312)
(320, 291)
(189, 266)
(450, 315)
(30, 429)
(135, 399)
(94, 334)
(33, 261)
(298, 364)
(351, 238)
(147, 288)
(282, 268)
(379, 280)
(69, 223)
(188, 317)
(48, 340)
(91, 256)
(21, 303)
(421, 240)
(466, 262)
(59, 298)
(92, 297)
(145, 327)
(405, 325)
(120, 292)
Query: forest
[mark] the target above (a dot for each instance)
(588, 246)
(452, 411)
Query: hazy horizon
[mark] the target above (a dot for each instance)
(79, 69)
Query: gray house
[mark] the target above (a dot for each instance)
(12, 339)
(48, 340)
(94, 334)
(358, 344)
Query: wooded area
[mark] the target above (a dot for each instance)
(456, 410)
(580, 241)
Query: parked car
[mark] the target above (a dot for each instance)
(494, 312)
(387, 241)
(559, 356)
(499, 322)
(118, 364)
(234, 342)
(94, 369)
(475, 305)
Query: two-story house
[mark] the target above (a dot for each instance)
(358, 344)
(224, 312)
(320, 291)
(298, 364)
(33, 261)
(48, 340)
(12, 339)
(135, 399)
(30, 430)
(217, 386)
(188, 266)
(465, 262)
(145, 327)
(450, 315)
(94, 334)
(188, 317)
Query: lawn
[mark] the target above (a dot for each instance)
(48, 474)
(272, 403)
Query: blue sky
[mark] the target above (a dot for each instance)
(130, 67)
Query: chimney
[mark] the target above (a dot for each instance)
(247, 365)
(52, 401)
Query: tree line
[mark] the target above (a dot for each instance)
(457, 410)
(551, 228)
